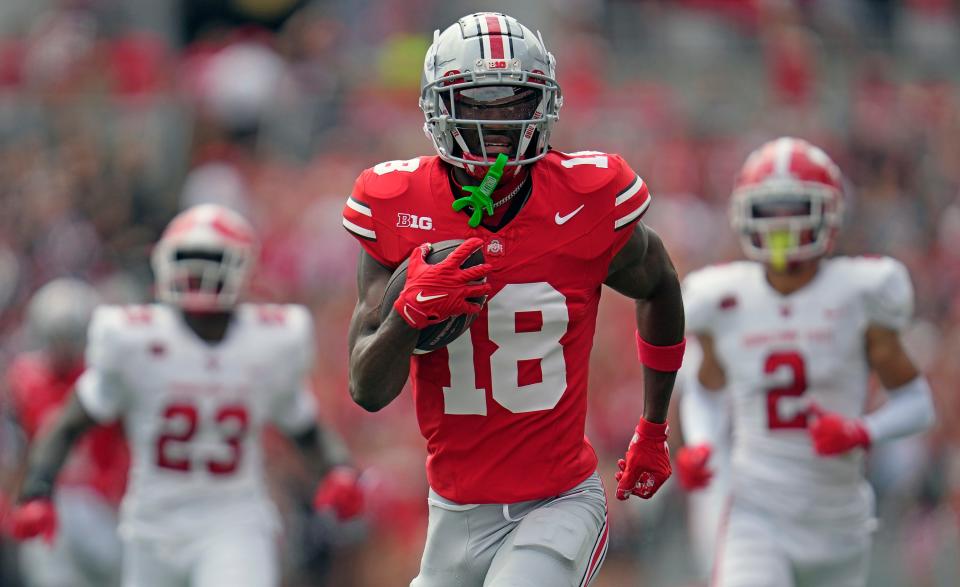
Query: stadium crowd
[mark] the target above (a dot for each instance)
(115, 115)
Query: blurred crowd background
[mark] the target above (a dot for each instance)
(115, 114)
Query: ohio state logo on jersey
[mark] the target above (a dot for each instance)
(405, 220)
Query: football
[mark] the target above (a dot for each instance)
(441, 334)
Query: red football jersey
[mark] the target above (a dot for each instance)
(101, 458)
(503, 408)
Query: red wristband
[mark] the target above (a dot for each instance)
(661, 358)
(652, 430)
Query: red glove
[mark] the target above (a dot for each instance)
(434, 293)
(832, 434)
(692, 469)
(36, 517)
(341, 493)
(647, 464)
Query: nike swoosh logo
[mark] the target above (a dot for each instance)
(563, 219)
(423, 298)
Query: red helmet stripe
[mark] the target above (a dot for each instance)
(222, 225)
(496, 36)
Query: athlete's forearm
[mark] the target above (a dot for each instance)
(50, 450)
(380, 363)
(660, 322)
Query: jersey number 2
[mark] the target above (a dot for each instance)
(525, 321)
(180, 422)
(791, 361)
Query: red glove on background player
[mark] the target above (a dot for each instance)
(340, 492)
(692, 469)
(647, 463)
(832, 434)
(34, 518)
(433, 293)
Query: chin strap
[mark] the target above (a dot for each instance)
(529, 130)
(481, 196)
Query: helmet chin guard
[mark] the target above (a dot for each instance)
(487, 50)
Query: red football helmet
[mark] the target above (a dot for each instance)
(787, 202)
(204, 258)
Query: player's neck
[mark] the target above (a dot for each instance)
(794, 278)
(211, 327)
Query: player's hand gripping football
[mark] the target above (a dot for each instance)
(692, 470)
(832, 434)
(647, 463)
(33, 518)
(433, 293)
(340, 492)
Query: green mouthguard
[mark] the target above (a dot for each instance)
(481, 196)
(781, 242)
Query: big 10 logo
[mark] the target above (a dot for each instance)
(405, 220)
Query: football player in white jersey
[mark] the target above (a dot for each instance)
(194, 379)
(791, 337)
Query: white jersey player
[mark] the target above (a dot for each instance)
(791, 337)
(194, 380)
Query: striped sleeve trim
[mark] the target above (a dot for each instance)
(630, 191)
(358, 206)
(631, 203)
(359, 230)
(629, 218)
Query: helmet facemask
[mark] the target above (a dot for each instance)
(780, 225)
(201, 280)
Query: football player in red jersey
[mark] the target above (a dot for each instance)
(514, 494)
(793, 335)
(86, 550)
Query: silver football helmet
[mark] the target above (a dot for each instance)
(488, 61)
(58, 315)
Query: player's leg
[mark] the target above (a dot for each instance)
(86, 535)
(148, 563)
(46, 565)
(245, 556)
(89, 528)
(831, 557)
(558, 544)
(461, 542)
(748, 552)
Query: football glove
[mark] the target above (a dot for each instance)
(832, 434)
(433, 293)
(692, 470)
(340, 493)
(647, 463)
(33, 518)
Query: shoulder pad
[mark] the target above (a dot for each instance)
(711, 291)
(371, 212)
(589, 172)
(392, 178)
(885, 286)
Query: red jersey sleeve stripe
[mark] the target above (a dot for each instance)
(635, 187)
(358, 206)
(359, 230)
(358, 219)
(632, 216)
